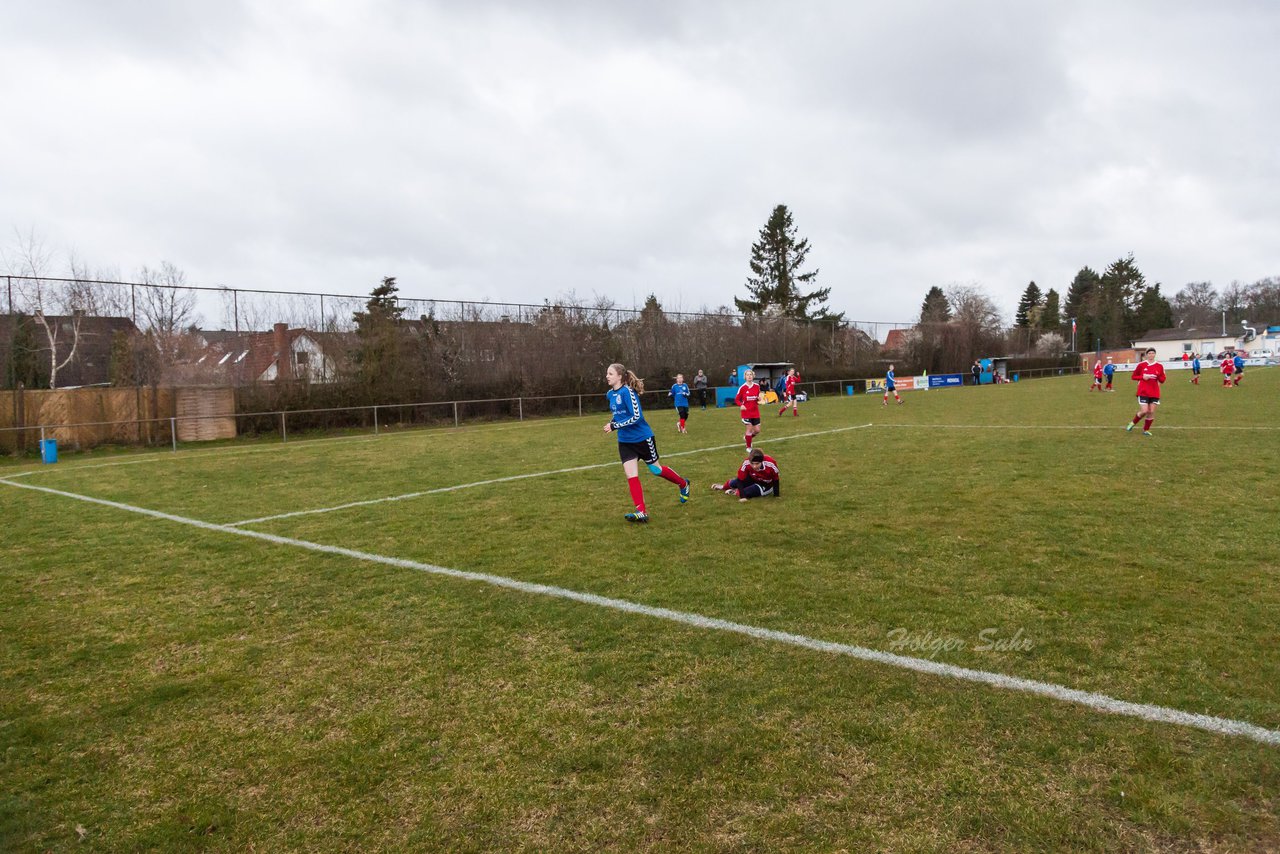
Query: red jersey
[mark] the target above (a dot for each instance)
(791, 386)
(766, 477)
(749, 399)
(1097, 370)
(1228, 367)
(1148, 376)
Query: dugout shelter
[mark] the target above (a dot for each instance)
(767, 373)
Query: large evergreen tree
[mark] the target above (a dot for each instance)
(379, 350)
(1051, 314)
(1080, 307)
(1027, 314)
(1119, 295)
(777, 276)
(1154, 312)
(935, 308)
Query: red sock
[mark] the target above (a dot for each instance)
(637, 492)
(1147, 425)
(748, 438)
(681, 423)
(668, 474)
(1137, 418)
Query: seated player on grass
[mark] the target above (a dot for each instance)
(758, 477)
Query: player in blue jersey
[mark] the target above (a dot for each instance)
(1195, 370)
(635, 438)
(1238, 361)
(890, 386)
(680, 391)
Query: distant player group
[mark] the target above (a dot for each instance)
(1150, 375)
(757, 477)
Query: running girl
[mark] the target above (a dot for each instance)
(635, 438)
(789, 394)
(1195, 370)
(1148, 375)
(1228, 368)
(757, 477)
(748, 400)
(680, 391)
(1097, 376)
(890, 385)
(1237, 362)
(1109, 371)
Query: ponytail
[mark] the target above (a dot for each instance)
(629, 379)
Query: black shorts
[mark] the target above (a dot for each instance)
(788, 400)
(1195, 371)
(683, 411)
(1154, 400)
(646, 451)
(751, 422)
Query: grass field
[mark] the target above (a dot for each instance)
(182, 687)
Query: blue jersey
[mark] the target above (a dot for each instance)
(1109, 369)
(1239, 363)
(680, 391)
(627, 421)
(888, 380)
(1195, 363)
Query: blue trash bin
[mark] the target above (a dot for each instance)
(849, 389)
(49, 451)
(1015, 378)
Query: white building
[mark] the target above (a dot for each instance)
(1172, 343)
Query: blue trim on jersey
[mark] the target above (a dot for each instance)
(628, 422)
(680, 391)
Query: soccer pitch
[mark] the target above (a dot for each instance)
(449, 639)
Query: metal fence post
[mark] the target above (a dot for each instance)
(173, 432)
(455, 413)
(375, 421)
(579, 406)
(520, 404)
(284, 431)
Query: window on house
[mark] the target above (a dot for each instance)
(240, 358)
(223, 360)
(1186, 348)
(302, 358)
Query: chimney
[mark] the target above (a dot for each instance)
(284, 356)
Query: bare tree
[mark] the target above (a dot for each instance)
(1196, 305)
(168, 309)
(44, 300)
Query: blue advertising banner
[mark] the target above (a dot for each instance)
(946, 380)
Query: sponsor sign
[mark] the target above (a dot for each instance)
(946, 380)
(901, 384)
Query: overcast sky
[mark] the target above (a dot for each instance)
(523, 150)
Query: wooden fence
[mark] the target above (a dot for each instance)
(124, 416)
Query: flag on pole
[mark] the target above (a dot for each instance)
(1073, 326)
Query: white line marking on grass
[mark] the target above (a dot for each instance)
(1055, 427)
(1099, 702)
(409, 495)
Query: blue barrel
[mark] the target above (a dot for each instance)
(848, 389)
(49, 451)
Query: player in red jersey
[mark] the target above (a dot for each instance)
(789, 394)
(1228, 368)
(748, 400)
(1148, 375)
(1097, 376)
(757, 477)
